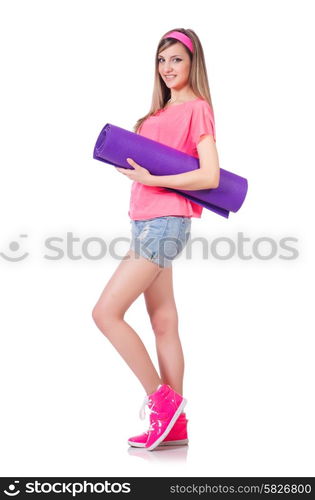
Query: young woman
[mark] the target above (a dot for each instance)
(181, 116)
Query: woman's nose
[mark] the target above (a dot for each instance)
(168, 67)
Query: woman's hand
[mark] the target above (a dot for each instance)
(139, 174)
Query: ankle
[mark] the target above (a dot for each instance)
(153, 389)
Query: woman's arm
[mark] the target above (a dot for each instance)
(205, 177)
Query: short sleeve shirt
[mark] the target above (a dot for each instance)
(179, 126)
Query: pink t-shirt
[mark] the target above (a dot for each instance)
(181, 127)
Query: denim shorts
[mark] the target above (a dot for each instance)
(160, 239)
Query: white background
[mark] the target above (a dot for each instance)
(69, 400)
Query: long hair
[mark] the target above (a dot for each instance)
(198, 79)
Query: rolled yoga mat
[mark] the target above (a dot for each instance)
(115, 144)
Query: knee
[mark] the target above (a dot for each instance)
(95, 314)
(164, 321)
(102, 316)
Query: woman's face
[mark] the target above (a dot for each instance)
(174, 66)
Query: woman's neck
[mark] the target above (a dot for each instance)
(181, 98)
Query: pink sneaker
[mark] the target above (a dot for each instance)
(165, 406)
(177, 435)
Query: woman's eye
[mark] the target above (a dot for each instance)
(175, 59)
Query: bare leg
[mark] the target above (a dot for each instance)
(160, 303)
(131, 278)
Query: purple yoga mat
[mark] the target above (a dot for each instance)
(115, 144)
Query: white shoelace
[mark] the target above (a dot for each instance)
(145, 402)
(142, 409)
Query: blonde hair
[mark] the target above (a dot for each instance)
(198, 79)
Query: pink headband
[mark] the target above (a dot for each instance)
(182, 38)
